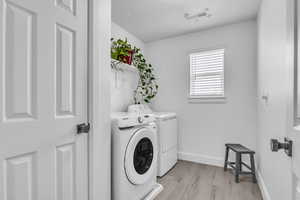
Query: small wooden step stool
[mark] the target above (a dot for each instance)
(237, 165)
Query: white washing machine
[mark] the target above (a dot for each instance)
(134, 157)
(167, 136)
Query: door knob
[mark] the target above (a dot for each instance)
(287, 146)
(83, 128)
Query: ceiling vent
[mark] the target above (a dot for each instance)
(205, 13)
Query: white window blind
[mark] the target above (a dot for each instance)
(207, 74)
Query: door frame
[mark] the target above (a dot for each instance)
(99, 28)
(293, 128)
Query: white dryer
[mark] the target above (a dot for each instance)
(167, 142)
(134, 157)
(167, 136)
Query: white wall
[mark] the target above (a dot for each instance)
(119, 32)
(274, 168)
(123, 83)
(204, 128)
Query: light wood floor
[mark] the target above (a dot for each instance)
(191, 181)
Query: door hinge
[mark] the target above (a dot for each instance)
(83, 128)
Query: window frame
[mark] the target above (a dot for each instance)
(207, 99)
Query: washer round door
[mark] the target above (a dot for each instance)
(141, 156)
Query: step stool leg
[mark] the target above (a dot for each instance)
(237, 167)
(240, 161)
(253, 168)
(226, 159)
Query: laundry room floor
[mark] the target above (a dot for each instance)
(191, 181)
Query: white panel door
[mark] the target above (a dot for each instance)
(43, 96)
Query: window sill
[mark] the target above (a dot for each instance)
(215, 100)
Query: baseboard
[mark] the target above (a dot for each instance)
(263, 188)
(202, 159)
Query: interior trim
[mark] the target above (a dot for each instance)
(99, 99)
(202, 159)
(262, 186)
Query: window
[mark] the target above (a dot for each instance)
(207, 74)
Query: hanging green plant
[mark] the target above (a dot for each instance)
(121, 52)
(147, 87)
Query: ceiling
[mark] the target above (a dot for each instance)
(152, 20)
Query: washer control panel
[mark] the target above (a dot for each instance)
(140, 119)
(134, 120)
